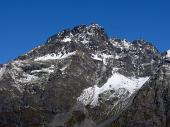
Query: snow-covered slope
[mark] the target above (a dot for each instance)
(116, 82)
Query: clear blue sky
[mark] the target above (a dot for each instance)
(25, 24)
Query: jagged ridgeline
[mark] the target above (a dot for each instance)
(82, 78)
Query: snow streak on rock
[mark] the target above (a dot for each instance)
(2, 70)
(53, 56)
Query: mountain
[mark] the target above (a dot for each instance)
(82, 78)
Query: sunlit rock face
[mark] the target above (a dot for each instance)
(79, 77)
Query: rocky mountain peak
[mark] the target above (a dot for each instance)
(78, 66)
(79, 34)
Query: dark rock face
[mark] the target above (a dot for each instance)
(80, 78)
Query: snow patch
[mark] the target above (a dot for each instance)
(117, 57)
(63, 68)
(115, 82)
(123, 44)
(168, 54)
(85, 41)
(27, 78)
(66, 40)
(101, 57)
(96, 57)
(126, 44)
(94, 25)
(47, 70)
(53, 56)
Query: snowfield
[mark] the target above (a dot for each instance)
(115, 82)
